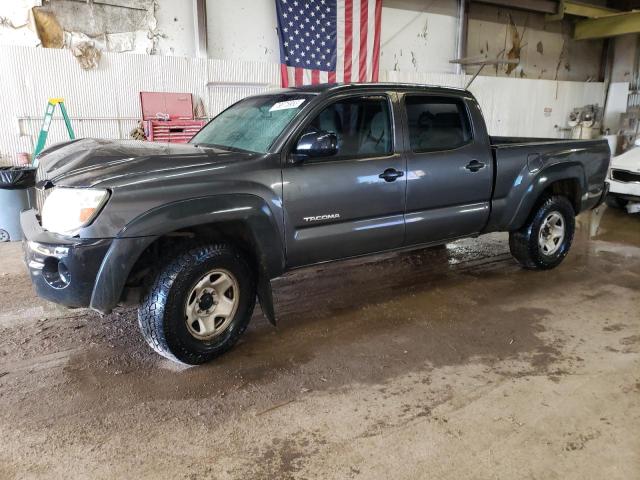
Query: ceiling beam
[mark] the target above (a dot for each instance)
(580, 9)
(609, 26)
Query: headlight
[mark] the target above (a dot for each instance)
(68, 209)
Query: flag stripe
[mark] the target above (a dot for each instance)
(355, 41)
(348, 38)
(364, 21)
(298, 73)
(340, 23)
(332, 77)
(306, 76)
(375, 64)
(284, 75)
(315, 77)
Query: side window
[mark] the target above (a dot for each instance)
(362, 125)
(436, 123)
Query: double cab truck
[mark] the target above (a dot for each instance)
(195, 233)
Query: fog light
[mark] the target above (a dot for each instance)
(55, 273)
(63, 272)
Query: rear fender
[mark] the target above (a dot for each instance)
(517, 210)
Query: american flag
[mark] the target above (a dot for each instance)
(328, 41)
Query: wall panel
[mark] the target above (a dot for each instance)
(518, 107)
(105, 102)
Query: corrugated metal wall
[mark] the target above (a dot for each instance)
(105, 102)
(518, 107)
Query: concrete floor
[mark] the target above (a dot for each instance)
(443, 363)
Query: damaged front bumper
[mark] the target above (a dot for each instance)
(63, 269)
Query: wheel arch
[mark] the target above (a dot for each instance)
(563, 179)
(244, 220)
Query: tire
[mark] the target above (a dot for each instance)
(165, 309)
(616, 202)
(525, 243)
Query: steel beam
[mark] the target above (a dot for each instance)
(609, 26)
(463, 26)
(200, 27)
(579, 9)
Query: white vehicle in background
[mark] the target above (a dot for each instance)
(624, 180)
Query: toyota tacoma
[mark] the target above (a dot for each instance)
(194, 233)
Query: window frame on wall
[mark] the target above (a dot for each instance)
(429, 98)
(383, 96)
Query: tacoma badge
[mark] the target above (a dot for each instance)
(328, 216)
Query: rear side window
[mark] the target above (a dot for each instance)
(362, 125)
(437, 123)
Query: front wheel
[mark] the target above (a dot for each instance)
(199, 304)
(544, 241)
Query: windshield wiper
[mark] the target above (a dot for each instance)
(226, 147)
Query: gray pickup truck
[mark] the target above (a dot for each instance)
(194, 233)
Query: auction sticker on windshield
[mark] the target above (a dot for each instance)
(287, 105)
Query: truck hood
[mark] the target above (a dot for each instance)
(629, 160)
(91, 162)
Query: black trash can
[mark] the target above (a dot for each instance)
(15, 183)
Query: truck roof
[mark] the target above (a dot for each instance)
(331, 87)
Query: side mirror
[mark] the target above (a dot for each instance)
(316, 144)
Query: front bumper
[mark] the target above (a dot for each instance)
(629, 190)
(63, 270)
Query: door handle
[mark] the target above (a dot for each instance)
(474, 165)
(390, 175)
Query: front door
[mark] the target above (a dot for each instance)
(449, 170)
(350, 203)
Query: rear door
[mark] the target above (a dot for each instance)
(449, 169)
(351, 203)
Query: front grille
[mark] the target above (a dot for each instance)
(624, 176)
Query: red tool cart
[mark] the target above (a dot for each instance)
(168, 117)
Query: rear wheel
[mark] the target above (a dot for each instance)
(199, 304)
(544, 241)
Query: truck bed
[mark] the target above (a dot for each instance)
(518, 161)
(497, 141)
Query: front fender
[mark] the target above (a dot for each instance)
(252, 211)
(114, 271)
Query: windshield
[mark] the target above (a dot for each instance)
(252, 124)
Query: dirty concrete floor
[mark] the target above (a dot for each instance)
(441, 363)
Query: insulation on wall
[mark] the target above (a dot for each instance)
(103, 25)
